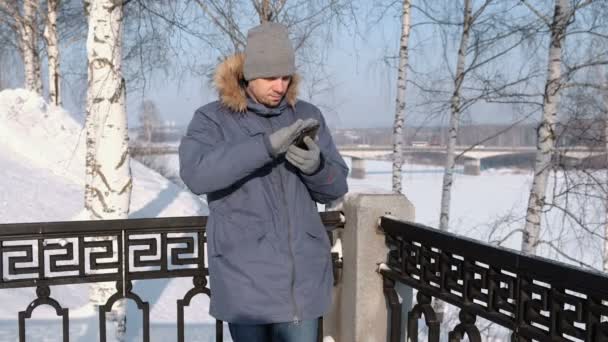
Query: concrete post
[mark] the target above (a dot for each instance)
(472, 167)
(359, 311)
(357, 168)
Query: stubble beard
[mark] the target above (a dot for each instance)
(271, 102)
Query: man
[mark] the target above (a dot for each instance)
(269, 254)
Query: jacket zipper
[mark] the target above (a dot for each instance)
(296, 318)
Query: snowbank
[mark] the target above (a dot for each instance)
(47, 147)
(42, 156)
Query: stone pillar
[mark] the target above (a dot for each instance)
(472, 167)
(359, 310)
(357, 168)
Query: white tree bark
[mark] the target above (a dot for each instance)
(28, 33)
(450, 161)
(400, 99)
(264, 13)
(545, 145)
(605, 102)
(108, 180)
(52, 43)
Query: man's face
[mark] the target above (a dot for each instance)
(269, 91)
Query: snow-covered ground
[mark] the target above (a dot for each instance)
(42, 151)
(42, 163)
(490, 206)
(476, 200)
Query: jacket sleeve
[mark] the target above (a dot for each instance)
(209, 163)
(328, 183)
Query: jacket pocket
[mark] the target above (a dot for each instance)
(236, 233)
(315, 229)
(318, 234)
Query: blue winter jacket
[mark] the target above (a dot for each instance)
(269, 253)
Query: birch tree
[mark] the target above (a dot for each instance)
(448, 179)
(471, 58)
(108, 179)
(455, 105)
(545, 145)
(149, 120)
(24, 23)
(488, 36)
(400, 99)
(29, 41)
(267, 9)
(574, 213)
(605, 103)
(567, 118)
(108, 186)
(52, 48)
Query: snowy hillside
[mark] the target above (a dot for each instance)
(42, 152)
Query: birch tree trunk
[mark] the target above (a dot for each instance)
(52, 43)
(108, 176)
(264, 9)
(450, 160)
(400, 99)
(545, 145)
(605, 102)
(265, 14)
(29, 46)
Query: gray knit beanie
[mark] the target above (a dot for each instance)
(269, 52)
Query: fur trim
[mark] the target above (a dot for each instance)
(230, 84)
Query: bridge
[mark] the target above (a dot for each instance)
(474, 159)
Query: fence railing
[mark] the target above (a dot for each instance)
(43, 255)
(535, 298)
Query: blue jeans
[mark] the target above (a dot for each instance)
(304, 331)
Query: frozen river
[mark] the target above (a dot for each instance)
(486, 207)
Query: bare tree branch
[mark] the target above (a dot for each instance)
(582, 4)
(541, 16)
(565, 255)
(237, 37)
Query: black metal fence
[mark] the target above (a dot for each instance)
(535, 298)
(119, 251)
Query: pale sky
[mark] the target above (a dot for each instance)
(362, 92)
(363, 89)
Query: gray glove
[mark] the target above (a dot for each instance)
(283, 137)
(307, 161)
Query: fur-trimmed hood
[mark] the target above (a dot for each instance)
(230, 84)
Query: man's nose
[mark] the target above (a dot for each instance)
(278, 86)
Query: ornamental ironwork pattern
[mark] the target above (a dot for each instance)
(535, 298)
(42, 255)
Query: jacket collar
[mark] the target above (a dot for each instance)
(230, 84)
(262, 110)
(252, 125)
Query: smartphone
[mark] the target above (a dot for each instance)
(307, 132)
